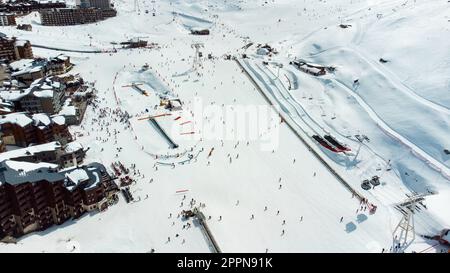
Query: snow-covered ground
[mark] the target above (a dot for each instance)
(402, 106)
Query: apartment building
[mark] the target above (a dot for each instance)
(7, 19)
(65, 156)
(8, 49)
(100, 4)
(27, 6)
(59, 65)
(12, 49)
(35, 196)
(24, 49)
(70, 16)
(22, 129)
(44, 95)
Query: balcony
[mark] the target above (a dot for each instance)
(24, 204)
(60, 194)
(41, 207)
(8, 226)
(5, 214)
(4, 207)
(39, 190)
(19, 189)
(41, 200)
(28, 220)
(22, 192)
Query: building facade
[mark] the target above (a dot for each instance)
(69, 16)
(48, 196)
(21, 130)
(24, 49)
(65, 156)
(29, 76)
(107, 13)
(27, 6)
(100, 4)
(39, 100)
(59, 65)
(12, 49)
(7, 19)
(8, 49)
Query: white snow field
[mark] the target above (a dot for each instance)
(282, 199)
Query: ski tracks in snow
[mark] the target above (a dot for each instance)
(418, 152)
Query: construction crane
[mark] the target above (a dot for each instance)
(197, 60)
(404, 233)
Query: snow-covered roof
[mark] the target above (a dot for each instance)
(45, 83)
(25, 66)
(94, 171)
(86, 177)
(47, 93)
(21, 64)
(28, 151)
(17, 172)
(314, 69)
(21, 42)
(77, 176)
(82, 92)
(262, 51)
(73, 147)
(21, 119)
(63, 57)
(68, 110)
(27, 70)
(6, 103)
(41, 119)
(6, 110)
(47, 147)
(13, 83)
(310, 64)
(60, 57)
(14, 95)
(41, 88)
(60, 120)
